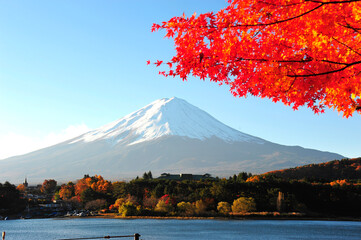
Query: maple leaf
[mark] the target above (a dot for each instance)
(158, 63)
(299, 52)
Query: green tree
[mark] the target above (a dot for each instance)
(49, 186)
(243, 176)
(89, 195)
(218, 191)
(145, 176)
(158, 191)
(119, 189)
(10, 199)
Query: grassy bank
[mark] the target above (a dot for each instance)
(245, 216)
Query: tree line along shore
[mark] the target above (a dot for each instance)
(271, 195)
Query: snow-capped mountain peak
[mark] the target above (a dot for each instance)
(167, 116)
(168, 135)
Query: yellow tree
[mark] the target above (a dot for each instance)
(243, 204)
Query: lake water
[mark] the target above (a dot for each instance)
(153, 229)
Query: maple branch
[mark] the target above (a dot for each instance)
(325, 73)
(329, 61)
(262, 24)
(288, 19)
(292, 83)
(280, 21)
(333, 2)
(351, 27)
(268, 60)
(291, 61)
(286, 5)
(346, 46)
(298, 16)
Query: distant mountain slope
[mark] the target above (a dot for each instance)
(329, 171)
(168, 135)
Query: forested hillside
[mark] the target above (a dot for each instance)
(349, 169)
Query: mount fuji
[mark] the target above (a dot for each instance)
(168, 135)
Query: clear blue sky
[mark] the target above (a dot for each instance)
(68, 66)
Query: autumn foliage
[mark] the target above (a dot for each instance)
(21, 188)
(299, 52)
(67, 191)
(335, 193)
(86, 189)
(323, 172)
(48, 186)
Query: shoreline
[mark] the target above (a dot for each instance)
(247, 216)
(232, 217)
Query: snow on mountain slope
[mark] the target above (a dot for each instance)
(163, 117)
(168, 135)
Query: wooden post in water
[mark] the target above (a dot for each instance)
(3, 236)
(136, 236)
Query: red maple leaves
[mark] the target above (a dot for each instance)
(299, 52)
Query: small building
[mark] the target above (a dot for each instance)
(26, 183)
(184, 176)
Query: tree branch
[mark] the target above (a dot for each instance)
(333, 2)
(345, 45)
(288, 19)
(325, 73)
(280, 21)
(293, 61)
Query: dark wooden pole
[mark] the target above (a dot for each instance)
(3, 235)
(136, 236)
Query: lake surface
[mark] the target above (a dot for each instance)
(154, 229)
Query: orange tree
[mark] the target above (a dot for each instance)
(67, 191)
(92, 188)
(299, 52)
